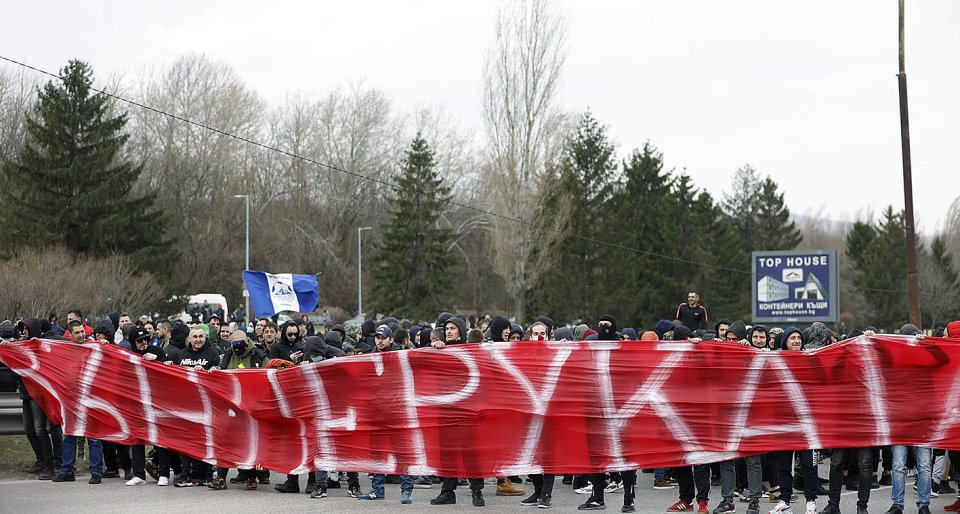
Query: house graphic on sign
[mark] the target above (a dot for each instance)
(770, 289)
(811, 290)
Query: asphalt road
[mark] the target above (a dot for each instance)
(24, 495)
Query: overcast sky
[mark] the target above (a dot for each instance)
(805, 91)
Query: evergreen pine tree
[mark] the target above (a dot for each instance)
(878, 255)
(69, 184)
(758, 213)
(642, 219)
(580, 195)
(413, 268)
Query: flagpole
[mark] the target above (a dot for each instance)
(246, 296)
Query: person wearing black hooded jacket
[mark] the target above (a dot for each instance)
(290, 345)
(200, 356)
(50, 436)
(455, 333)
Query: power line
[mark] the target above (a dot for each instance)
(386, 183)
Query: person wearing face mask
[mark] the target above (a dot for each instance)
(240, 354)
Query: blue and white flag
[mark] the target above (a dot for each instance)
(270, 294)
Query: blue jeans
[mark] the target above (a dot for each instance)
(379, 480)
(900, 472)
(96, 457)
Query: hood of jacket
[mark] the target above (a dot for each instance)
(755, 328)
(786, 335)
(32, 325)
(178, 335)
(460, 325)
(739, 328)
(333, 339)
(497, 325)
(630, 333)
(367, 329)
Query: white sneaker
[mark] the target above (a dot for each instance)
(781, 508)
(136, 481)
(811, 508)
(587, 489)
(613, 487)
(162, 481)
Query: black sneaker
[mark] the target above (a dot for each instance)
(592, 504)
(830, 509)
(64, 478)
(754, 506)
(95, 479)
(478, 500)
(444, 498)
(310, 487)
(353, 491)
(924, 510)
(863, 510)
(894, 510)
(567, 479)
(183, 482)
(724, 507)
(628, 507)
(545, 502)
(945, 488)
(111, 473)
(287, 487)
(320, 492)
(531, 500)
(237, 480)
(45, 474)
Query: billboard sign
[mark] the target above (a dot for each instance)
(796, 286)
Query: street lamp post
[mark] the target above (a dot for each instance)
(360, 269)
(246, 264)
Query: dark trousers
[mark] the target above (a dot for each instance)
(194, 469)
(30, 431)
(543, 485)
(168, 460)
(838, 461)
(116, 457)
(138, 459)
(599, 482)
(629, 486)
(49, 436)
(808, 469)
(450, 484)
(690, 476)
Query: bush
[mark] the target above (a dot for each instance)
(37, 283)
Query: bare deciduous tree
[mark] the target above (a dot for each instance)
(524, 132)
(54, 280)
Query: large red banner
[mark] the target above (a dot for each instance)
(508, 408)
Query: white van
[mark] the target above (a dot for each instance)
(211, 298)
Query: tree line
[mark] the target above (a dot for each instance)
(540, 213)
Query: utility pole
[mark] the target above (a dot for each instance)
(913, 280)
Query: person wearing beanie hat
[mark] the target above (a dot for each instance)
(549, 323)
(628, 334)
(682, 333)
(516, 333)
(649, 335)
(910, 330)
(662, 327)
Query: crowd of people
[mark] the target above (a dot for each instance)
(208, 342)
